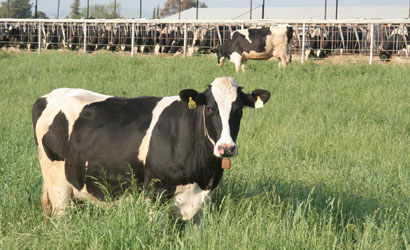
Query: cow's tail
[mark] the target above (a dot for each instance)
(289, 33)
(45, 202)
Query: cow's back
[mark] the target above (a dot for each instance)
(54, 115)
(91, 136)
(278, 37)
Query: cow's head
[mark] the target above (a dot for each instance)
(385, 55)
(221, 106)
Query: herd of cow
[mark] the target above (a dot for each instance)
(320, 40)
(324, 41)
(160, 38)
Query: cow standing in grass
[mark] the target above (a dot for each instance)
(174, 146)
(257, 44)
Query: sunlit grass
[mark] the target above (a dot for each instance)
(325, 164)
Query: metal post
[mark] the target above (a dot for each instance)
(303, 42)
(325, 8)
(263, 9)
(141, 9)
(88, 9)
(250, 11)
(35, 10)
(8, 8)
(179, 10)
(219, 34)
(58, 9)
(132, 39)
(197, 6)
(39, 38)
(185, 38)
(371, 43)
(115, 8)
(85, 38)
(337, 5)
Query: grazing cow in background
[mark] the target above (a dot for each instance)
(175, 146)
(257, 44)
(207, 38)
(74, 34)
(150, 39)
(125, 38)
(165, 40)
(52, 36)
(323, 42)
(397, 41)
(32, 40)
(4, 36)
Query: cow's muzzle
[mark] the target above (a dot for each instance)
(226, 150)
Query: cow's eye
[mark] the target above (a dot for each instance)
(210, 110)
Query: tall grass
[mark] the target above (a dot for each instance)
(324, 165)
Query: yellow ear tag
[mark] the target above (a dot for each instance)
(191, 103)
(258, 103)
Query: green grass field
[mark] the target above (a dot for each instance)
(324, 165)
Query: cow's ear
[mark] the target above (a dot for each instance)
(256, 99)
(192, 98)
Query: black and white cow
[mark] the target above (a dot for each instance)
(150, 39)
(399, 40)
(323, 42)
(257, 44)
(173, 146)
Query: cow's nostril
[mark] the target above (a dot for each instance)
(227, 150)
(231, 149)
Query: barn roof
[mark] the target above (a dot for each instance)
(346, 12)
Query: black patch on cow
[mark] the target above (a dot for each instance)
(38, 108)
(55, 140)
(179, 152)
(289, 33)
(104, 144)
(393, 44)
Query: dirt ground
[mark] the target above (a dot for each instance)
(357, 59)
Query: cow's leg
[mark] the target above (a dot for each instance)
(236, 58)
(45, 203)
(198, 217)
(307, 54)
(237, 66)
(243, 66)
(57, 192)
(284, 59)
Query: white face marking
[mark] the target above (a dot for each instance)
(224, 91)
(188, 200)
(156, 112)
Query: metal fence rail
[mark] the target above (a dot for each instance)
(311, 38)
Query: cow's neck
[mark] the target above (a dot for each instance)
(209, 166)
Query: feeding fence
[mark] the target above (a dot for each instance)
(311, 38)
